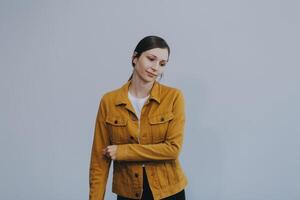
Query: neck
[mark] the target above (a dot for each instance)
(140, 88)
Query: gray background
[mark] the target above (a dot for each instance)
(237, 63)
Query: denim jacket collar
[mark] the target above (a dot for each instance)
(122, 98)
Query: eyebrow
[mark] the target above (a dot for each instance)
(156, 57)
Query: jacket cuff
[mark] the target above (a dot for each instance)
(121, 152)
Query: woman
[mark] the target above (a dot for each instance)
(140, 126)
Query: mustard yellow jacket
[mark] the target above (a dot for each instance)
(155, 141)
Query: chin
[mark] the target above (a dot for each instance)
(149, 79)
(146, 78)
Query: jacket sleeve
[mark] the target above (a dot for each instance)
(167, 150)
(99, 164)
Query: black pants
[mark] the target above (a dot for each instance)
(147, 194)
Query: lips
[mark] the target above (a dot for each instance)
(150, 74)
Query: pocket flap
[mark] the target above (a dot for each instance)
(161, 118)
(116, 120)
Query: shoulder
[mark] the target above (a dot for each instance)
(167, 90)
(111, 96)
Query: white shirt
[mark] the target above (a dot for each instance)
(137, 103)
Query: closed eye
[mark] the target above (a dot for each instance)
(152, 59)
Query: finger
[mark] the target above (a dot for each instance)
(104, 151)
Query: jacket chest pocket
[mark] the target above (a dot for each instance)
(118, 129)
(159, 126)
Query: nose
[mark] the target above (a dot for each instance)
(155, 66)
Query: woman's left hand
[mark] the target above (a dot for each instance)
(111, 151)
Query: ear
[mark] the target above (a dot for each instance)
(134, 59)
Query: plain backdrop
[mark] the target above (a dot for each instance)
(237, 63)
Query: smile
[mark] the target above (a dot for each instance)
(151, 74)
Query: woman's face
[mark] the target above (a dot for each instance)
(151, 64)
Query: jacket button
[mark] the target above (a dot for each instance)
(137, 194)
(162, 119)
(116, 121)
(136, 175)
